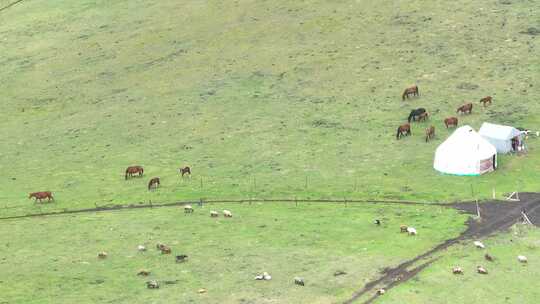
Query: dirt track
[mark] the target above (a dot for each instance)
(495, 216)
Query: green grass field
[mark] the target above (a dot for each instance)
(266, 99)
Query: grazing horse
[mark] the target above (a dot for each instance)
(486, 100)
(413, 90)
(403, 130)
(430, 133)
(423, 117)
(41, 195)
(130, 171)
(185, 170)
(450, 121)
(465, 109)
(154, 183)
(415, 113)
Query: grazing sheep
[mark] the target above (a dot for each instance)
(143, 273)
(214, 213)
(522, 258)
(479, 244)
(202, 290)
(141, 248)
(259, 277)
(481, 270)
(411, 231)
(152, 284)
(227, 213)
(403, 228)
(381, 291)
(377, 222)
(457, 270)
(266, 276)
(188, 209)
(299, 281)
(488, 257)
(102, 255)
(181, 258)
(165, 250)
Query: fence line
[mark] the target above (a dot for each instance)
(10, 5)
(202, 201)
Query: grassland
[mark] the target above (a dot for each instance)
(255, 96)
(54, 259)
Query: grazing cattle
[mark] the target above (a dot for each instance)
(102, 255)
(214, 213)
(227, 213)
(479, 244)
(451, 121)
(143, 273)
(481, 270)
(154, 183)
(299, 281)
(413, 90)
(415, 113)
(130, 171)
(188, 209)
(486, 100)
(488, 257)
(185, 170)
(430, 133)
(152, 284)
(41, 195)
(465, 109)
(403, 130)
(457, 270)
(403, 228)
(423, 117)
(181, 258)
(411, 231)
(522, 259)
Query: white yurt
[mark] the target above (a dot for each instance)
(500, 136)
(465, 152)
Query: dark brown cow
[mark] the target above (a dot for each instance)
(465, 109)
(451, 121)
(403, 130)
(41, 195)
(130, 171)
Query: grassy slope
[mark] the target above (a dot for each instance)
(508, 281)
(312, 241)
(271, 91)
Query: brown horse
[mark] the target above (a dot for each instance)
(41, 195)
(130, 171)
(486, 100)
(430, 133)
(413, 90)
(465, 109)
(185, 170)
(423, 117)
(403, 130)
(154, 183)
(451, 121)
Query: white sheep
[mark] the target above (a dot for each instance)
(141, 248)
(227, 213)
(214, 213)
(188, 209)
(479, 244)
(522, 259)
(481, 270)
(381, 291)
(411, 231)
(102, 255)
(457, 270)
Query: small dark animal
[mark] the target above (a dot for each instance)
(415, 113)
(154, 183)
(403, 130)
(130, 171)
(299, 281)
(423, 117)
(185, 170)
(451, 121)
(163, 248)
(486, 100)
(377, 222)
(465, 109)
(143, 273)
(413, 90)
(181, 258)
(488, 257)
(403, 228)
(430, 133)
(41, 195)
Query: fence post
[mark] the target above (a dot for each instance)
(296, 201)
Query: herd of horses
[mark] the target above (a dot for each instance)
(131, 171)
(421, 114)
